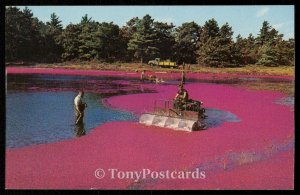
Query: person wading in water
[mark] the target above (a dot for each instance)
(79, 107)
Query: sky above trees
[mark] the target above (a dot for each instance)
(243, 19)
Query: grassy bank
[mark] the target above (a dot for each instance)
(285, 88)
(130, 67)
(249, 70)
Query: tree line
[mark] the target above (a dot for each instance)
(140, 40)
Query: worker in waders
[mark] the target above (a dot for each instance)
(79, 107)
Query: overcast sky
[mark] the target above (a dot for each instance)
(243, 19)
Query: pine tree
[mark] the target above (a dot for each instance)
(269, 56)
(217, 47)
(53, 44)
(206, 44)
(264, 35)
(71, 42)
(250, 50)
(13, 36)
(209, 30)
(108, 42)
(239, 51)
(28, 39)
(186, 37)
(126, 34)
(30, 45)
(88, 46)
(143, 40)
(165, 40)
(22, 35)
(269, 53)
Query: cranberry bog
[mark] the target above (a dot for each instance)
(250, 144)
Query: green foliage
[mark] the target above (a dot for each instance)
(53, 46)
(165, 40)
(87, 39)
(244, 50)
(126, 34)
(71, 42)
(90, 40)
(217, 47)
(28, 39)
(268, 35)
(186, 37)
(275, 55)
(143, 39)
(108, 41)
(273, 51)
(22, 34)
(269, 57)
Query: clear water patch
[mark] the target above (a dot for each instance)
(217, 117)
(43, 117)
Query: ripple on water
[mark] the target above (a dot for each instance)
(289, 101)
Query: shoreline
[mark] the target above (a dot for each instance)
(164, 75)
(113, 144)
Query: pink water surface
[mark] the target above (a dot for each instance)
(256, 153)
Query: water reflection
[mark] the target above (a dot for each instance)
(106, 86)
(79, 129)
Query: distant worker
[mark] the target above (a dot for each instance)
(143, 75)
(79, 107)
(159, 80)
(152, 78)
